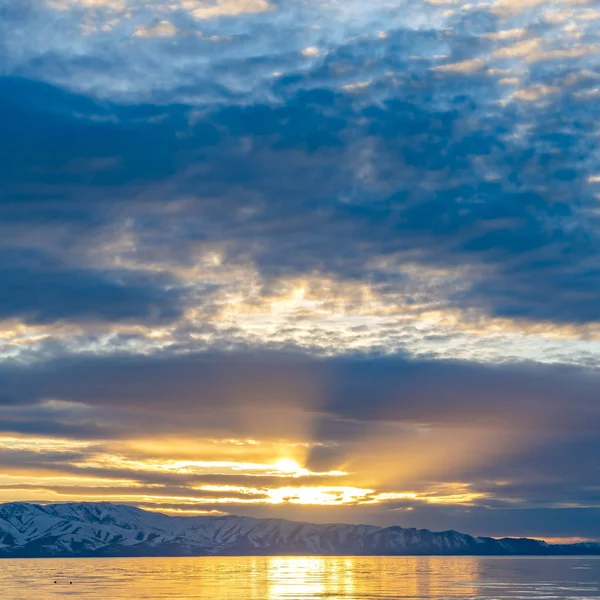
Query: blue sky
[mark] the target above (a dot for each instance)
(323, 260)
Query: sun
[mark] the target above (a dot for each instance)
(289, 466)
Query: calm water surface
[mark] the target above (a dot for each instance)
(300, 578)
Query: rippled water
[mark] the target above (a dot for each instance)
(300, 578)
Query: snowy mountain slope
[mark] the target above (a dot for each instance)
(103, 529)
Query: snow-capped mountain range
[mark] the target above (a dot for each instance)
(104, 529)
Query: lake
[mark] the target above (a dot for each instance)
(297, 578)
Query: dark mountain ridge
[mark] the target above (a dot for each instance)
(104, 529)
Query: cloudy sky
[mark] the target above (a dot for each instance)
(331, 260)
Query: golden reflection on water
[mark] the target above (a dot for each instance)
(310, 577)
(297, 578)
(412, 577)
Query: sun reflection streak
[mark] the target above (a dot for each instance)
(344, 577)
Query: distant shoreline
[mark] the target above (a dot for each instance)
(232, 556)
(238, 556)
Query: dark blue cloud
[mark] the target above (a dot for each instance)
(449, 178)
(55, 141)
(454, 173)
(39, 290)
